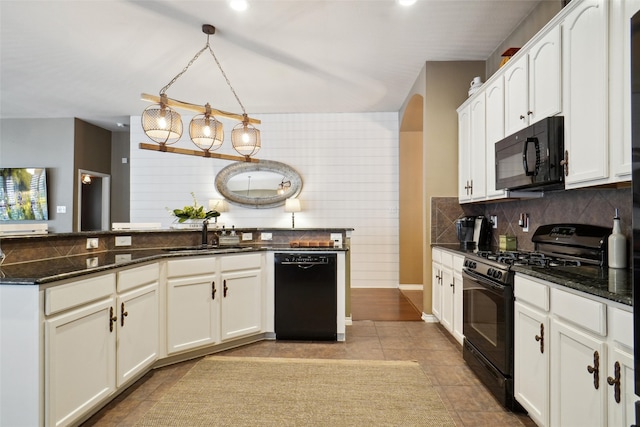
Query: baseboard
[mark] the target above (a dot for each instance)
(429, 318)
(411, 287)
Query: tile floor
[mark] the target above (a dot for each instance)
(440, 357)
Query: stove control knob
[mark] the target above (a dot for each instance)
(498, 275)
(490, 272)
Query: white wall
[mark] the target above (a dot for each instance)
(349, 167)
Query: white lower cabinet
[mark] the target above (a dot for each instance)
(573, 357)
(436, 283)
(447, 290)
(93, 336)
(138, 321)
(531, 376)
(241, 307)
(578, 383)
(193, 303)
(80, 347)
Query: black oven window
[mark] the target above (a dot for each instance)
(484, 316)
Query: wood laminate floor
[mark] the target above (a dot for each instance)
(440, 357)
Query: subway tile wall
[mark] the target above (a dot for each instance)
(349, 167)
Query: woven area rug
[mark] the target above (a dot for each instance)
(247, 391)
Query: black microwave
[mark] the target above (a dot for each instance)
(530, 159)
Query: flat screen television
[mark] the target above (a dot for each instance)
(23, 194)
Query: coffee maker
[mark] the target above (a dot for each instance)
(474, 233)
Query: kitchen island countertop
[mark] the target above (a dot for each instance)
(60, 268)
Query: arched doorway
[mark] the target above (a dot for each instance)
(411, 196)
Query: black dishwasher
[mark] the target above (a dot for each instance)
(306, 296)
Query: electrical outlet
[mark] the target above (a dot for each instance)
(92, 262)
(266, 236)
(123, 258)
(494, 220)
(247, 236)
(123, 240)
(61, 209)
(92, 243)
(337, 240)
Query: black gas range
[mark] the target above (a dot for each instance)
(488, 296)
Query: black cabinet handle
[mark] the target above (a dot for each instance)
(224, 288)
(213, 290)
(615, 382)
(595, 370)
(541, 338)
(123, 314)
(112, 319)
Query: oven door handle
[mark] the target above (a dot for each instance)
(482, 282)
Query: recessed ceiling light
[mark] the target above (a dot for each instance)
(406, 2)
(239, 5)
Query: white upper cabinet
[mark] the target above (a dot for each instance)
(585, 76)
(472, 150)
(532, 83)
(494, 112)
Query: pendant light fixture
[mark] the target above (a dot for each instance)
(163, 125)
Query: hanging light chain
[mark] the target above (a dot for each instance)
(164, 89)
(227, 79)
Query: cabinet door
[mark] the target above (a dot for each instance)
(531, 349)
(494, 96)
(241, 303)
(137, 346)
(620, 93)
(516, 95)
(578, 377)
(464, 154)
(436, 290)
(457, 307)
(585, 81)
(447, 299)
(192, 312)
(545, 76)
(80, 360)
(622, 410)
(478, 161)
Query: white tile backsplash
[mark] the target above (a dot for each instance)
(349, 167)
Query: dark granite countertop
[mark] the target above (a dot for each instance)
(54, 269)
(611, 284)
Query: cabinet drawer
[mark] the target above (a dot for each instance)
(191, 266)
(436, 256)
(588, 314)
(447, 259)
(458, 262)
(132, 278)
(531, 292)
(64, 297)
(621, 327)
(241, 262)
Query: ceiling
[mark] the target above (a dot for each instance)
(92, 59)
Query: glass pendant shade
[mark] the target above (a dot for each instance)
(245, 139)
(162, 124)
(206, 132)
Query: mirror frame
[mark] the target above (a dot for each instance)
(289, 174)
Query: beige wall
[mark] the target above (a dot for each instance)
(443, 87)
(523, 32)
(411, 224)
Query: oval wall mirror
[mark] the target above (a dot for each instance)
(266, 184)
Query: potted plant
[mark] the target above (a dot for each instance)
(193, 215)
